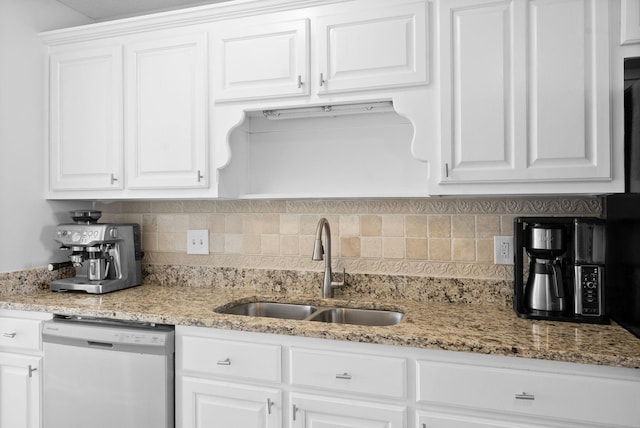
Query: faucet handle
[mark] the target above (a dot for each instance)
(335, 284)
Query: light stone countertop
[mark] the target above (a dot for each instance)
(487, 329)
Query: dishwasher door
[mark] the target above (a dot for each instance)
(104, 376)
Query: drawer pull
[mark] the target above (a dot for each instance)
(269, 405)
(294, 410)
(344, 375)
(225, 362)
(9, 335)
(525, 396)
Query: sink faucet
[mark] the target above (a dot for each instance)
(318, 251)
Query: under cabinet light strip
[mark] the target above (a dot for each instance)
(329, 110)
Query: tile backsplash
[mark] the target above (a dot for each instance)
(439, 237)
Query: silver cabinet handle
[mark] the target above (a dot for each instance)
(321, 79)
(113, 178)
(300, 82)
(31, 370)
(9, 335)
(344, 375)
(269, 405)
(525, 396)
(294, 410)
(225, 362)
(200, 176)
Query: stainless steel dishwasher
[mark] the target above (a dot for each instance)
(103, 373)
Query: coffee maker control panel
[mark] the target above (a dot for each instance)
(588, 292)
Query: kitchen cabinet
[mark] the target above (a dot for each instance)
(630, 18)
(223, 383)
(85, 118)
(525, 95)
(20, 369)
(269, 56)
(332, 383)
(255, 59)
(128, 115)
(166, 127)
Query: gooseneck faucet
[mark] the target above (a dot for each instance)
(319, 254)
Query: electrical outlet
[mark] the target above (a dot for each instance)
(198, 241)
(503, 250)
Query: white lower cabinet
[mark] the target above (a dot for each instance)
(311, 411)
(213, 404)
(20, 369)
(239, 379)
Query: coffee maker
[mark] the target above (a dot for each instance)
(559, 268)
(106, 256)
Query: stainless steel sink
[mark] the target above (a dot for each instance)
(371, 317)
(272, 310)
(328, 314)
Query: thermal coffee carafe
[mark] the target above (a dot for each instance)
(106, 256)
(559, 268)
(544, 290)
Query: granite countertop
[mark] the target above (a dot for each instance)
(487, 329)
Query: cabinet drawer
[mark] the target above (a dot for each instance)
(353, 373)
(558, 395)
(20, 333)
(231, 358)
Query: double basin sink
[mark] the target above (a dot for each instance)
(328, 314)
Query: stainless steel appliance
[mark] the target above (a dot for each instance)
(105, 373)
(107, 256)
(559, 271)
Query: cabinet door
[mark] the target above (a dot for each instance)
(525, 91)
(310, 411)
(252, 60)
(166, 127)
(212, 404)
(85, 119)
(371, 49)
(630, 22)
(453, 420)
(19, 391)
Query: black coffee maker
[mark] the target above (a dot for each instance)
(559, 268)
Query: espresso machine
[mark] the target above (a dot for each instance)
(106, 256)
(559, 268)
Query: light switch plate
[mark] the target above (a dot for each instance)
(503, 250)
(198, 241)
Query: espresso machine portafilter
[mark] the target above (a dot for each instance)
(106, 256)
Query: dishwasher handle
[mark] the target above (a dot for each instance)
(102, 345)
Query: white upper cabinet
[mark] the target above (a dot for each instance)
(372, 49)
(85, 121)
(630, 17)
(252, 59)
(166, 99)
(362, 48)
(525, 95)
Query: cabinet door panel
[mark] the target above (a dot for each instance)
(166, 111)
(257, 61)
(213, 404)
(630, 26)
(314, 411)
(373, 49)
(568, 103)
(19, 391)
(85, 129)
(479, 109)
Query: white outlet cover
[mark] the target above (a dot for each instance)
(503, 250)
(198, 241)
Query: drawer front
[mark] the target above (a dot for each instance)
(230, 358)
(19, 333)
(594, 399)
(353, 373)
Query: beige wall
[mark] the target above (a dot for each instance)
(443, 237)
